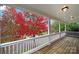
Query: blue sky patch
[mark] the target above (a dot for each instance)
(17, 9)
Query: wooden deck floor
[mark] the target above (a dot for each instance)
(67, 45)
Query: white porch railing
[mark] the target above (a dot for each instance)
(72, 33)
(29, 45)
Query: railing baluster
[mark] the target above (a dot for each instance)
(20, 47)
(34, 42)
(31, 44)
(0, 51)
(26, 46)
(37, 42)
(9, 49)
(13, 49)
(16, 48)
(23, 47)
(5, 50)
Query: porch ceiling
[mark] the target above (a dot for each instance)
(54, 11)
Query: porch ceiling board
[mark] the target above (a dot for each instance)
(53, 10)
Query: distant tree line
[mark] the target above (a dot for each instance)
(74, 26)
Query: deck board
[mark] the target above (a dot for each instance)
(67, 45)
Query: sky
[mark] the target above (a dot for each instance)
(1, 12)
(2, 9)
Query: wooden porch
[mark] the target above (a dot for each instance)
(67, 45)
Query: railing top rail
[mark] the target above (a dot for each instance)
(23, 40)
(72, 31)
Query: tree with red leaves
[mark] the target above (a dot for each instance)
(33, 26)
(37, 26)
(27, 24)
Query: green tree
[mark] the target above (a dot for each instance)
(55, 27)
(73, 26)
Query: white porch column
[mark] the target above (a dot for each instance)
(59, 30)
(49, 27)
(49, 31)
(59, 27)
(65, 27)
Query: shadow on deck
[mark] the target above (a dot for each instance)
(67, 45)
